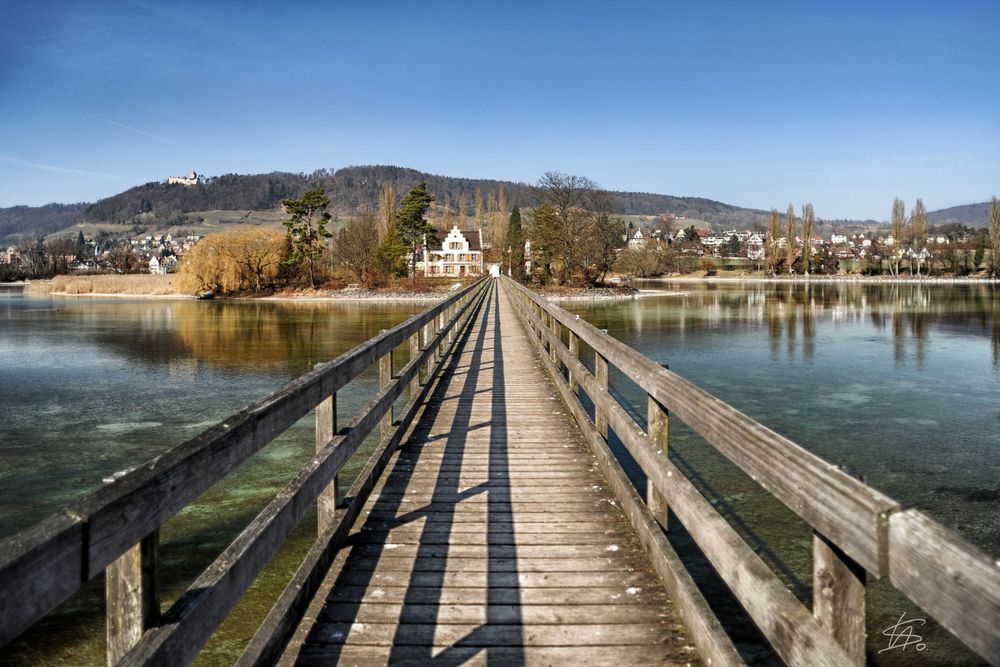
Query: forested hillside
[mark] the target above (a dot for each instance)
(38, 220)
(973, 215)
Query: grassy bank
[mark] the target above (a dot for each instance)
(139, 284)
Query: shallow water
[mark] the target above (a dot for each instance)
(902, 383)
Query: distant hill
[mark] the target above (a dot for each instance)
(19, 222)
(354, 190)
(973, 215)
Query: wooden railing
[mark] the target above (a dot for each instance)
(856, 529)
(115, 529)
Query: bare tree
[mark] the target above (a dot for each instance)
(897, 230)
(356, 248)
(123, 259)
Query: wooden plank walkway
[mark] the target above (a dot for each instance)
(491, 538)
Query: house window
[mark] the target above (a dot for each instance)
(455, 245)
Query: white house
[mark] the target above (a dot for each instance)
(461, 254)
(637, 240)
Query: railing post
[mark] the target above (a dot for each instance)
(326, 429)
(414, 353)
(839, 597)
(556, 335)
(658, 429)
(132, 596)
(384, 378)
(601, 374)
(427, 336)
(574, 352)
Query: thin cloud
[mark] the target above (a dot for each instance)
(9, 159)
(153, 136)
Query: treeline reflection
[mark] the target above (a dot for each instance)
(791, 313)
(229, 335)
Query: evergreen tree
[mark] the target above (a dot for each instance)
(515, 244)
(306, 227)
(411, 228)
(81, 246)
(977, 259)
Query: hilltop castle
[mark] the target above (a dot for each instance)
(190, 179)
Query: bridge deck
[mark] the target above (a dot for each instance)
(491, 537)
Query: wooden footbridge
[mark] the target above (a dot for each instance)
(493, 523)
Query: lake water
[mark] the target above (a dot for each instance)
(900, 382)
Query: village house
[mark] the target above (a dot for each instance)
(637, 240)
(461, 254)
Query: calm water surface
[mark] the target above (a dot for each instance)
(89, 387)
(902, 383)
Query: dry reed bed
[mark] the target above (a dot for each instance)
(139, 284)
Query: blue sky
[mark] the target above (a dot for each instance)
(845, 105)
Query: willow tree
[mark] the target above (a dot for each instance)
(773, 232)
(306, 230)
(995, 238)
(790, 237)
(897, 230)
(245, 259)
(808, 232)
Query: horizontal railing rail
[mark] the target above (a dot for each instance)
(116, 528)
(857, 530)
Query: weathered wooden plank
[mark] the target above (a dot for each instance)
(389, 562)
(443, 635)
(839, 597)
(39, 569)
(478, 613)
(954, 581)
(384, 380)
(658, 431)
(522, 580)
(475, 656)
(848, 512)
(593, 597)
(326, 429)
(601, 539)
(132, 597)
